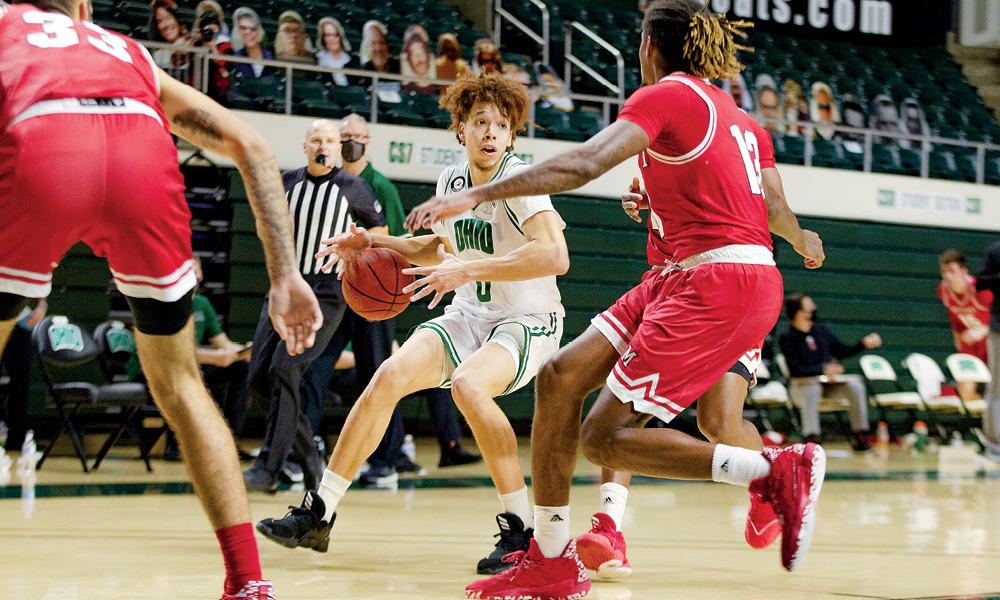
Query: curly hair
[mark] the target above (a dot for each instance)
(510, 98)
(694, 40)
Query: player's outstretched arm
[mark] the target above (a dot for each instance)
(203, 122)
(782, 221)
(420, 250)
(544, 255)
(561, 173)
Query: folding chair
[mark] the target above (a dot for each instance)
(117, 345)
(884, 391)
(968, 368)
(926, 372)
(766, 396)
(63, 345)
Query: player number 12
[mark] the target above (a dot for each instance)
(747, 142)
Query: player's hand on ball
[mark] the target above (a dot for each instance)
(635, 200)
(295, 312)
(446, 276)
(811, 249)
(439, 208)
(346, 246)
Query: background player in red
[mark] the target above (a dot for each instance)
(93, 102)
(968, 311)
(716, 294)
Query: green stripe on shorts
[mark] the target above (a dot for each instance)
(445, 339)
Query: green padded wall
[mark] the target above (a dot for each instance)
(878, 277)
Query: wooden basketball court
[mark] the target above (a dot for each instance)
(890, 527)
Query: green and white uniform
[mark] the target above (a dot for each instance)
(525, 317)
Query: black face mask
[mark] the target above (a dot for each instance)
(815, 316)
(352, 150)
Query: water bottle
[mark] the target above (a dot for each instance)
(920, 429)
(409, 449)
(28, 458)
(5, 464)
(28, 494)
(882, 436)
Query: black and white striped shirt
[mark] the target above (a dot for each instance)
(322, 207)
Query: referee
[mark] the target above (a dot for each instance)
(323, 201)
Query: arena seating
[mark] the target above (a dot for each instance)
(930, 75)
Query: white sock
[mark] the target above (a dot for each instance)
(517, 503)
(613, 500)
(552, 529)
(738, 466)
(331, 489)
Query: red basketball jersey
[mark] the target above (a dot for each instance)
(971, 309)
(701, 170)
(48, 56)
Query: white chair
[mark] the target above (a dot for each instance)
(767, 396)
(926, 372)
(884, 391)
(968, 368)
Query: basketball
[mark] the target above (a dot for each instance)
(373, 284)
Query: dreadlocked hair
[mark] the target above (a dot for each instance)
(62, 6)
(695, 40)
(510, 98)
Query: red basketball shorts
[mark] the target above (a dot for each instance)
(109, 180)
(678, 332)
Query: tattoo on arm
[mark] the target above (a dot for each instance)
(198, 127)
(571, 169)
(262, 179)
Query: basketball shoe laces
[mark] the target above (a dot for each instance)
(521, 561)
(605, 528)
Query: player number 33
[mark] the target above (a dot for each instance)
(58, 32)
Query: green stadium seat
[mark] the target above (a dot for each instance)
(885, 159)
(993, 169)
(909, 161)
(585, 121)
(308, 91)
(352, 99)
(789, 149)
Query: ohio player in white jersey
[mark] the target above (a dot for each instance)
(501, 259)
(525, 317)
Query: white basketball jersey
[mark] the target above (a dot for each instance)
(490, 230)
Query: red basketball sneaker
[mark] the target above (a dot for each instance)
(763, 526)
(534, 577)
(602, 549)
(793, 489)
(253, 590)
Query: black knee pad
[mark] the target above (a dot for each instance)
(11, 305)
(154, 317)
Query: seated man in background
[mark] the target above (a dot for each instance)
(968, 311)
(224, 365)
(811, 351)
